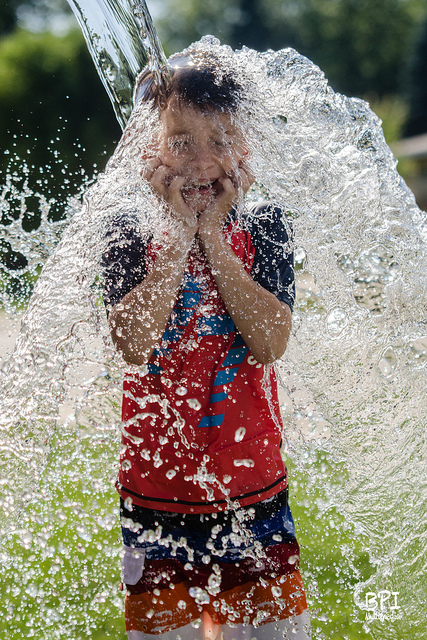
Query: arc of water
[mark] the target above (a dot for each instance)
(122, 39)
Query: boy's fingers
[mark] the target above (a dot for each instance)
(158, 180)
(175, 187)
(246, 177)
(169, 188)
(177, 183)
(245, 183)
(149, 167)
(229, 192)
(228, 196)
(180, 209)
(228, 185)
(249, 175)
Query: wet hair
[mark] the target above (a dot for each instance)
(197, 81)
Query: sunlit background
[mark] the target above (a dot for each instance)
(57, 130)
(50, 93)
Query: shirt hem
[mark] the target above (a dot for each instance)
(195, 506)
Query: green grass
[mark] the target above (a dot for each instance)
(61, 579)
(333, 558)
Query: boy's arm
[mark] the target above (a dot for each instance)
(138, 321)
(263, 321)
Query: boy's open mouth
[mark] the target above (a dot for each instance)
(201, 188)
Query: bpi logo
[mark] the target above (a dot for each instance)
(382, 605)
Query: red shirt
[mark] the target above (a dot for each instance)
(201, 422)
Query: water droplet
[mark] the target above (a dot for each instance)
(199, 595)
(170, 474)
(157, 460)
(193, 403)
(181, 391)
(280, 120)
(388, 362)
(300, 257)
(129, 504)
(150, 535)
(26, 539)
(182, 604)
(419, 349)
(276, 591)
(196, 623)
(244, 463)
(336, 321)
(239, 434)
(126, 465)
(214, 582)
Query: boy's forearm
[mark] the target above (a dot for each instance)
(137, 322)
(263, 321)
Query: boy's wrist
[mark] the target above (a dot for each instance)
(181, 233)
(211, 223)
(211, 239)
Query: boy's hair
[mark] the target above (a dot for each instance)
(197, 80)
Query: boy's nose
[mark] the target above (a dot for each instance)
(202, 157)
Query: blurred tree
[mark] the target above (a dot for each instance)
(183, 21)
(416, 85)
(359, 44)
(54, 115)
(38, 12)
(8, 17)
(250, 28)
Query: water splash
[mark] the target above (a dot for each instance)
(354, 377)
(122, 40)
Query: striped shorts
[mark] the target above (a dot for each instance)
(232, 575)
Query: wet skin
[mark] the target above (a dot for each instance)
(198, 169)
(199, 165)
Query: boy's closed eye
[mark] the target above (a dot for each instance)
(185, 143)
(179, 143)
(223, 143)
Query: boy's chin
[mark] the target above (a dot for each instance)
(198, 203)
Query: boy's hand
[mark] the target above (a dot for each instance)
(169, 187)
(233, 187)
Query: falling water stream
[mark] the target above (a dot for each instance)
(353, 380)
(121, 39)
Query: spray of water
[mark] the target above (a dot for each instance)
(353, 379)
(122, 40)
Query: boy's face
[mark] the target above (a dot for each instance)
(202, 147)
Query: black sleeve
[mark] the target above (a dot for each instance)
(123, 261)
(272, 237)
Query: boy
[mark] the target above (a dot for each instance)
(209, 542)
